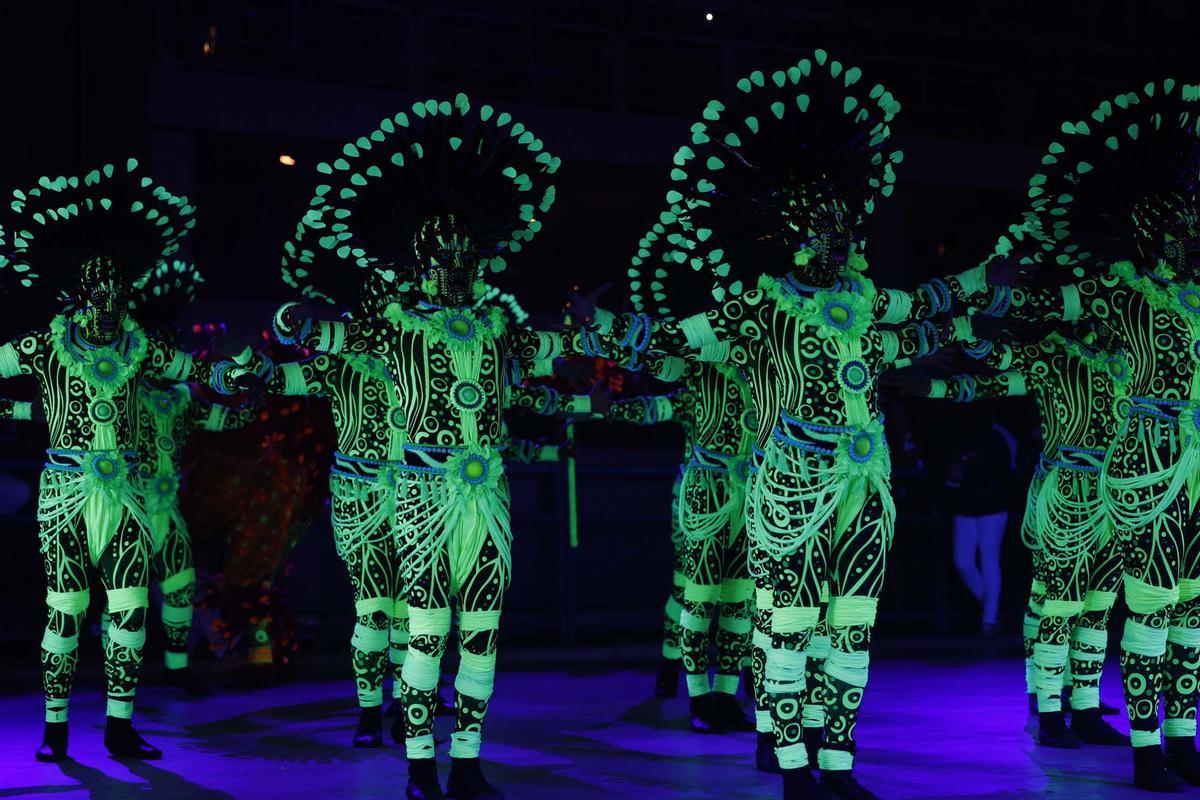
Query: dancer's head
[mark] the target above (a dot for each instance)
(104, 299)
(448, 259)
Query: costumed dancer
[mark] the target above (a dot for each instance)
(444, 194)
(167, 414)
(713, 406)
(774, 193)
(91, 237)
(1118, 198)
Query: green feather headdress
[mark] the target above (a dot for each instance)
(160, 295)
(1118, 180)
(54, 227)
(767, 164)
(440, 159)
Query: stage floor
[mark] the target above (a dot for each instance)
(945, 730)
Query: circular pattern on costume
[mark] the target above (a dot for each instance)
(105, 467)
(397, 420)
(467, 395)
(164, 402)
(854, 376)
(166, 485)
(838, 314)
(473, 469)
(102, 411)
(460, 327)
(105, 368)
(164, 444)
(1117, 368)
(750, 420)
(1190, 299)
(861, 447)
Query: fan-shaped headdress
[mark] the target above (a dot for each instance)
(767, 168)
(1123, 179)
(54, 228)
(160, 295)
(444, 171)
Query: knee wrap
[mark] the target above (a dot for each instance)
(760, 639)
(819, 647)
(1062, 608)
(848, 610)
(673, 609)
(476, 675)
(71, 603)
(367, 606)
(371, 640)
(735, 625)
(1189, 589)
(421, 670)
(1096, 600)
(793, 619)
(736, 590)
(1184, 637)
(478, 621)
(784, 671)
(1144, 640)
(1142, 598)
(176, 615)
(58, 644)
(850, 668)
(702, 592)
(429, 621)
(764, 599)
(179, 580)
(127, 599)
(134, 640)
(1090, 637)
(693, 622)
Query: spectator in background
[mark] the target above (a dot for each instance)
(980, 479)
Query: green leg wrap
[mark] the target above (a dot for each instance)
(1143, 652)
(1182, 670)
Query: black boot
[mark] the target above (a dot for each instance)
(842, 784)
(124, 742)
(765, 759)
(666, 684)
(729, 714)
(1108, 710)
(395, 709)
(799, 784)
(1182, 758)
(813, 738)
(1090, 728)
(1150, 771)
(369, 732)
(185, 679)
(423, 780)
(704, 714)
(54, 743)
(467, 781)
(1053, 731)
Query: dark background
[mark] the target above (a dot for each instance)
(209, 94)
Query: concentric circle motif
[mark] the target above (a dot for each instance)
(862, 447)
(397, 420)
(105, 369)
(839, 314)
(750, 419)
(165, 444)
(474, 469)
(102, 411)
(1117, 367)
(165, 486)
(467, 395)
(854, 375)
(460, 327)
(105, 467)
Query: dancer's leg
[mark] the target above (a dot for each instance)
(991, 535)
(966, 550)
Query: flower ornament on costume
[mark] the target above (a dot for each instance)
(467, 395)
(854, 376)
(863, 452)
(474, 470)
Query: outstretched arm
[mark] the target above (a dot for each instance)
(938, 296)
